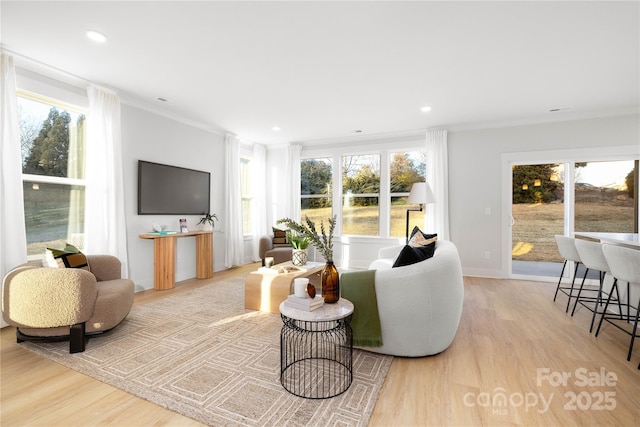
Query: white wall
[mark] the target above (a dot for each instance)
(475, 183)
(148, 136)
(475, 178)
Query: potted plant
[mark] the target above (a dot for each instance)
(208, 221)
(324, 245)
(300, 243)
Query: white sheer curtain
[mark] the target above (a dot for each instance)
(259, 189)
(234, 254)
(437, 214)
(105, 227)
(13, 235)
(292, 189)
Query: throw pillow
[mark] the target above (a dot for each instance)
(69, 257)
(416, 230)
(410, 255)
(280, 236)
(419, 239)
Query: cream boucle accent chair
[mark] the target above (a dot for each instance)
(66, 303)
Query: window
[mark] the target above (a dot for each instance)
(361, 195)
(605, 196)
(405, 169)
(316, 182)
(52, 137)
(246, 188)
(373, 189)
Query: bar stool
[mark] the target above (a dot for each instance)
(593, 259)
(567, 249)
(625, 266)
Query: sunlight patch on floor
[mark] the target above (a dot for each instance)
(521, 248)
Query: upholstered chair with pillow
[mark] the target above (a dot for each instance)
(46, 303)
(276, 246)
(418, 300)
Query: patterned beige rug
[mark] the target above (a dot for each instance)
(203, 355)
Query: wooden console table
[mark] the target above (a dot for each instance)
(164, 257)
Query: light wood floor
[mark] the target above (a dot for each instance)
(513, 342)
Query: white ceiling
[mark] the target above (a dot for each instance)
(322, 70)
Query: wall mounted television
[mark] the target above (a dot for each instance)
(172, 190)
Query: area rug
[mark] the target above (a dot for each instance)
(201, 354)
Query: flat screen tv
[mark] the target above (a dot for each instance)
(172, 190)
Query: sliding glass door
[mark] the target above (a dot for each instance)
(564, 197)
(538, 214)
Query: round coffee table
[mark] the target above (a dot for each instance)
(316, 350)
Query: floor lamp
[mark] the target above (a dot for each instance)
(420, 194)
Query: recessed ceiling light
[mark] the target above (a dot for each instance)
(96, 36)
(275, 129)
(425, 109)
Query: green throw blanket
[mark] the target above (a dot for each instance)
(359, 288)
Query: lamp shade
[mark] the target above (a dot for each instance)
(420, 194)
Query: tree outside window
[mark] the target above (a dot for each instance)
(405, 169)
(316, 177)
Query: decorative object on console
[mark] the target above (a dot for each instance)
(324, 244)
(208, 221)
(158, 227)
(420, 194)
(183, 225)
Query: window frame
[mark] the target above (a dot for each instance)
(49, 179)
(246, 155)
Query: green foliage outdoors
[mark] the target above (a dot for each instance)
(316, 179)
(526, 175)
(48, 153)
(630, 181)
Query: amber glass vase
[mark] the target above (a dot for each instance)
(330, 283)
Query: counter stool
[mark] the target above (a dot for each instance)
(593, 259)
(567, 249)
(625, 266)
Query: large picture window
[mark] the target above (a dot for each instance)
(52, 137)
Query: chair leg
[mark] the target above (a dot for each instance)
(575, 273)
(633, 331)
(77, 338)
(575, 304)
(606, 306)
(598, 300)
(560, 280)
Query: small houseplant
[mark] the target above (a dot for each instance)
(300, 243)
(208, 221)
(324, 245)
